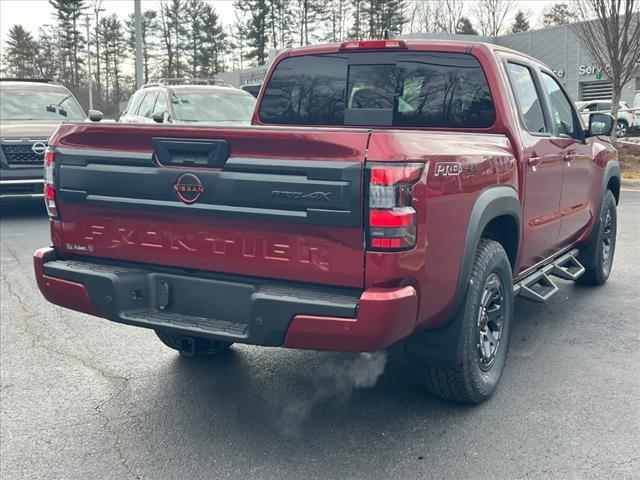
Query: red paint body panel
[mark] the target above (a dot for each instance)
(62, 292)
(324, 255)
(443, 205)
(385, 316)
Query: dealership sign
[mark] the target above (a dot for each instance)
(583, 70)
(591, 70)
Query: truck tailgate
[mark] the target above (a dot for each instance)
(255, 201)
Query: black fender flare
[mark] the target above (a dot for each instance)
(611, 170)
(442, 345)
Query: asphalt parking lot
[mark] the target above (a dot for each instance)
(83, 398)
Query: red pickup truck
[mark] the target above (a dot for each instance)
(386, 191)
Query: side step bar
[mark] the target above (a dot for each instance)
(539, 287)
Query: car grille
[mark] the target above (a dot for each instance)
(21, 155)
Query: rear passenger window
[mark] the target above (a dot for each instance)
(443, 90)
(307, 90)
(415, 89)
(527, 97)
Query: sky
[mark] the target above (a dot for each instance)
(33, 14)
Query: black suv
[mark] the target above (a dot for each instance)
(30, 111)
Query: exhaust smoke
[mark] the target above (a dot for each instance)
(335, 383)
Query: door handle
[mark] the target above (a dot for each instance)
(568, 157)
(534, 161)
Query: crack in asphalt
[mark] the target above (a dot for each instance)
(121, 382)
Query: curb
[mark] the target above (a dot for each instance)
(630, 183)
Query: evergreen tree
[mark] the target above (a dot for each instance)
(112, 38)
(72, 42)
(238, 42)
(358, 29)
(20, 55)
(257, 29)
(557, 14)
(309, 14)
(520, 23)
(194, 13)
(48, 53)
(336, 20)
(213, 43)
(465, 27)
(148, 30)
(380, 16)
(175, 12)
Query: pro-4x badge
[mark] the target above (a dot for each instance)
(447, 169)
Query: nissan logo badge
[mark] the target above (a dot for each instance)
(188, 188)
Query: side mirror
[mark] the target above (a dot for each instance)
(160, 117)
(95, 115)
(600, 124)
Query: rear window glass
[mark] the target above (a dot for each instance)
(420, 89)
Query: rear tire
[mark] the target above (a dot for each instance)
(201, 346)
(597, 256)
(486, 326)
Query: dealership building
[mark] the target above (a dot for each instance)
(562, 51)
(557, 47)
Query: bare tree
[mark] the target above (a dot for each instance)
(493, 15)
(424, 16)
(450, 14)
(612, 39)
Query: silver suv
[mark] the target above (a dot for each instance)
(189, 101)
(30, 111)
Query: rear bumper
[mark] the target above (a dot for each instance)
(229, 307)
(21, 188)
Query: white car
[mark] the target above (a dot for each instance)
(189, 101)
(626, 117)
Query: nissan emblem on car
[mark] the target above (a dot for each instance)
(38, 148)
(188, 188)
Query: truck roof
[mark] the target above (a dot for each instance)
(460, 46)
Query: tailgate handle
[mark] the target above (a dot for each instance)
(184, 152)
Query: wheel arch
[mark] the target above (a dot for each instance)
(495, 209)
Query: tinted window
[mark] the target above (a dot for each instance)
(443, 90)
(527, 97)
(604, 106)
(562, 113)
(146, 107)
(307, 90)
(422, 89)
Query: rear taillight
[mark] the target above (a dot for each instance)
(49, 183)
(391, 217)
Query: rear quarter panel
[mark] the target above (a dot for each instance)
(458, 167)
